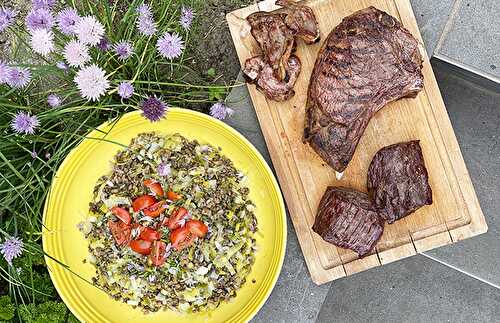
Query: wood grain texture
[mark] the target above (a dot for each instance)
(303, 176)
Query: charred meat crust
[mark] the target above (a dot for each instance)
(275, 32)
(274, 38)
(348, 219)
(398, 181)
(259, 72)
(367, 61)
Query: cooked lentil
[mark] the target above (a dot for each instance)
(199, 277)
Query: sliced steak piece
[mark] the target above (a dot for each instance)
(301, 20)
(275, 33)
(275, 39)
(367, 61)
(348, 219)
(257, 71)
(398, 181)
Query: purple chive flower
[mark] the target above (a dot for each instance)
(11, 248)
(7, 16)
(164, 169)
(39, 18)
(144, 10)
(92, 82)
(125, 90)
(89, 30)
(104, 44)
(53, 100)
(146, 25)
(76, 53)
(47, 4)
(42, 41)
(145, 22)
(4, 72)
(66, 21)
(170, 45)
(220, 111)
(61, 65)
(123, 49)
(153, 109)
(33, 154)
(24, 123)
(18, 77)
(187, 16)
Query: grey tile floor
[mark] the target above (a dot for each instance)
(431, 19)
(472, 35)
(416, 289)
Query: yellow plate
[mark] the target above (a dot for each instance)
(71, 191)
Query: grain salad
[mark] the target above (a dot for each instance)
(172, 226)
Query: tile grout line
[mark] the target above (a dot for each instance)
(466, 67)
(447, 26)
(460, 270)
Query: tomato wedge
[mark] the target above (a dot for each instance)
(149, 234)
(143, 202)
(155, 209)
(157, 255)
(121, 214)
(197, 228)
(172, 196)
(177, 218)
(154, 186)
(120, 231)
(141, 246)
(181, 238)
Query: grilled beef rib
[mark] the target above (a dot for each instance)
(397, 180)
(348, 219)
(367, 61)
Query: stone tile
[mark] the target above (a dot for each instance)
(295, 297)
(474, 36)
(244, 118)
(414, 289)
(431, 17)
(475, 115)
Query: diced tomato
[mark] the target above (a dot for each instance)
(157, 255)
(177, 218)
(197, 228)
(149, 234)
(155, 209)
(143, 202)
(141, 246)
(181, 238)
(154, 186)
(172, 196)
(120, 231)
(121, 214)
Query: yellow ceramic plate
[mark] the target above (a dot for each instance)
(71, 193)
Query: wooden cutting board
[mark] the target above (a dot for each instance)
(455, 213)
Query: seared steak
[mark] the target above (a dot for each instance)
(275, 33)
(301, 20)
(348, 219)
(367, 61)
(260, 72)
(275, 39)
(398, 181)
